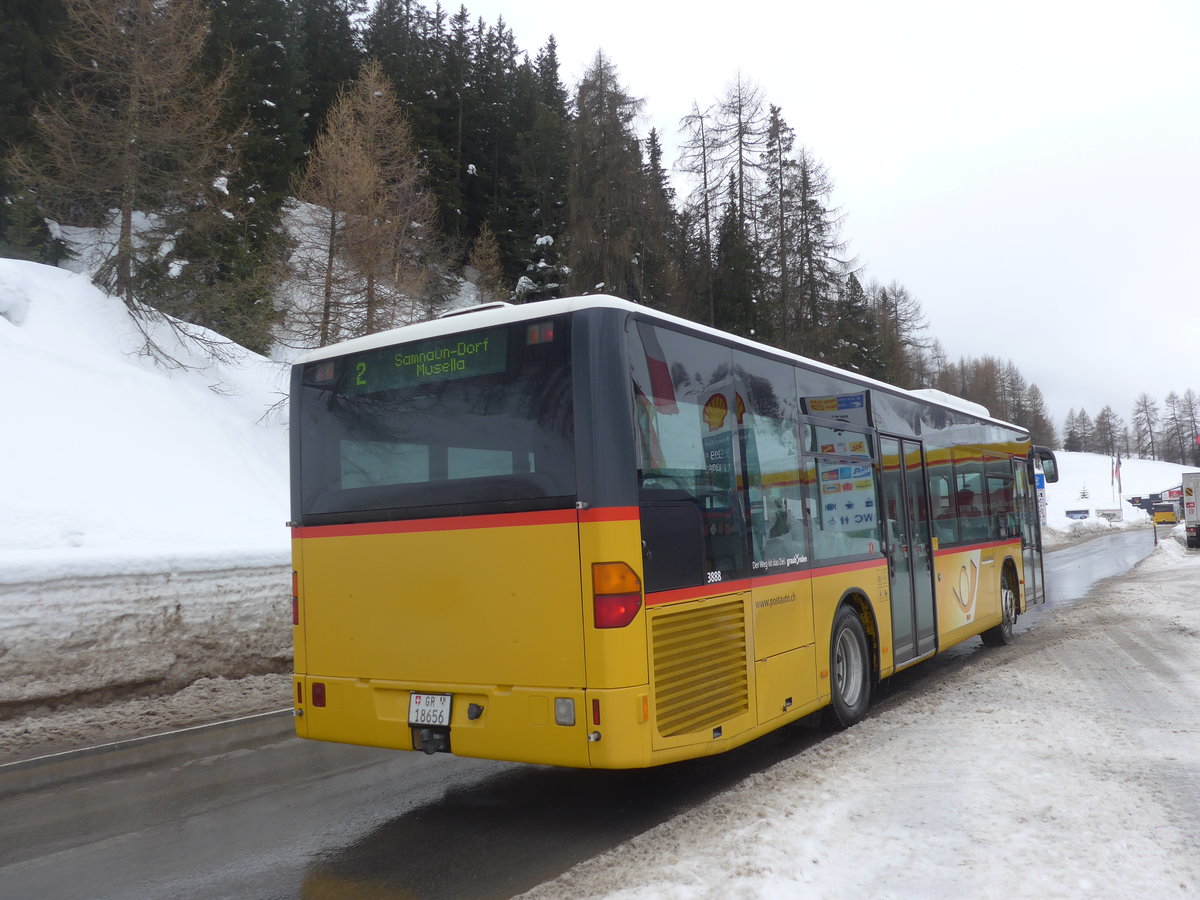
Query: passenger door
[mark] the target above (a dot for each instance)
(909, 548)
(1027, 512)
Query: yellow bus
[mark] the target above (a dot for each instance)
(583, 533)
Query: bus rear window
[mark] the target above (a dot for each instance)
(479, 421)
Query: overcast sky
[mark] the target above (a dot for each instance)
(1029, 171)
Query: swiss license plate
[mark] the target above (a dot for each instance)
(429, 709)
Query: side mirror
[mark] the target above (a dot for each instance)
(1049, 463)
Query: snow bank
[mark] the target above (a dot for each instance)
(71, 640)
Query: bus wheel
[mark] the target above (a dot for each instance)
(1003, 633)
(850, 670)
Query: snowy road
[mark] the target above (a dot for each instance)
(1064, 765)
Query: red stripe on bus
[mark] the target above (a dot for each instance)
(762, 581)
(782, 578)
(610, 514)
(848, 567)
(459, 523)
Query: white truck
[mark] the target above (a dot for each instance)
(1191, 508)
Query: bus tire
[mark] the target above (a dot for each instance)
(849, 670)
(1003, 633)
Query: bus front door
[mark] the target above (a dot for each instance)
(909, 549)
(1034, 589)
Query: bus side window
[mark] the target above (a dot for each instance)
(942, 501)
(694, 525)
(768, 441)
(971, 500)
(1000, 498)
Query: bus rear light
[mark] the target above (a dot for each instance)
(617, 594)
(616, 610)
(299, 694)
(595, 712)
(295, 598)
(318, 693)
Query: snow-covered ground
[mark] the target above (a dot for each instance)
(1064, 765)
(143, 549)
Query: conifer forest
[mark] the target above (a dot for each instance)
(298, 172)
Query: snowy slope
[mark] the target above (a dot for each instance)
(112, 462)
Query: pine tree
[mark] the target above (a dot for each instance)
(1071, 438)
(739, 139)
(939, 366)
(485, 260)
(263, 101)
(329, 54)
(702, 209)
(362, 257)
(1145, 425)
(857, 344)
(735, 274)
(1174, 432)
(820, 256)
(899, 324)
(1189, 412)
(659, 239)
(1041, 430)
(543, 161)
(138, 131)
(1105, 431)
(29, 71)
(1085, 430)
(780, 215)
(603, 198)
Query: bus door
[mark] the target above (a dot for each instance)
(1031, 546)
(909, 548)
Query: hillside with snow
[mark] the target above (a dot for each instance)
(113, 461)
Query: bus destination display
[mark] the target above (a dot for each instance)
(442, 359)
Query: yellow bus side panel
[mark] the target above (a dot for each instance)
(968, 591)
(783, 616)
(786, 683)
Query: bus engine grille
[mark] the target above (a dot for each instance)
(700, 669)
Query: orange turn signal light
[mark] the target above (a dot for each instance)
(615, 578)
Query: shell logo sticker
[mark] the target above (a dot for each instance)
(715, 411)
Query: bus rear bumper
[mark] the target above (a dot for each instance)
(524, 724)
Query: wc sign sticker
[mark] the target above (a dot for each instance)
(847, 497)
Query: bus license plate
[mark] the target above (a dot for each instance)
(429, 709)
